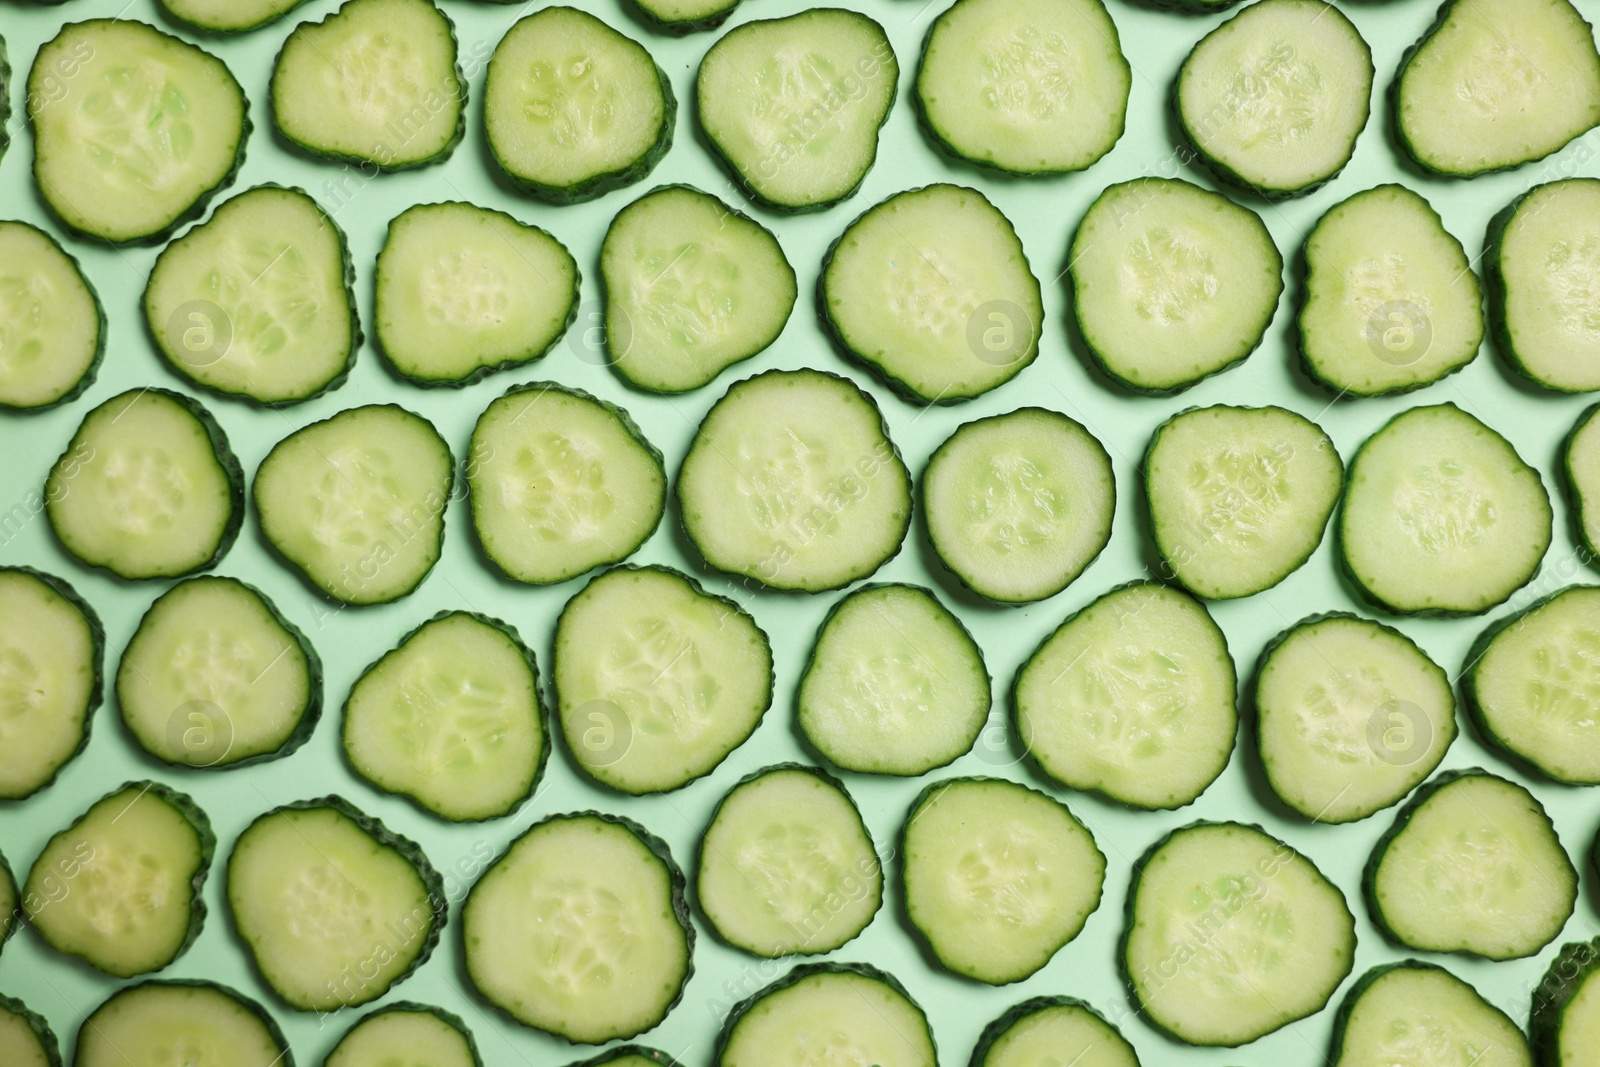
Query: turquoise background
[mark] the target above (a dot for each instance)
(1045, 213)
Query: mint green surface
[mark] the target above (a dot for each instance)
(1045, 213)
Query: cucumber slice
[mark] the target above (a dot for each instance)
(139, 137)
(792, 481)
(464, 291)
(1496, 85)
(580, 929)
(1133, 697)
(334, 908)
(1539, 259)
(931, 290)
(630, 1056)
(683, 16)
(1025, 88)
(848, 1012)
(1391, 302)
(1441, 516)
(787, 867)
(212, 1025)
(692, 287)
(1529, 685)
(997, 877)
(1272, 100)
(574, 109)
(1171, 283)
(656, 679)
(1018, 505)
(26, 1039)
(1580, 463)
(226, 16)
(452, 718)
(215, 676)
(376, 83)
(1564, 1028)
(256, 302)
(1239, 497)
(895, 684)
(1350, 716)
(406, 1034)
(10, 915)
(147, 488)
(1472, 864)
(1232, 934)
(51, 647)
(52, 327)
(356, 502)
(120, 887)
(574, 487)
(1414, 1012)
(792, 106)
(1042, 1029)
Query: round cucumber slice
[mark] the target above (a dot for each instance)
(867, 1015)
(1132, 697)
(787, 867)
(51, 646)
(931, 289)
(1232, 934)
(1171, 283)
(680, 17)
(26, 1039)
(561, 483)
(997, 877)
(1239, 497)
(1441, 515)
(1580, 461)
(406, 1034)
(52, 328)
(1039, 87)
(792, 481)
(214, 1025)
(139, 136)
(1565, 1023)
(1018, 505)
(656, 679)
(1413, 1012)
(227, 16)
(1039, 1029)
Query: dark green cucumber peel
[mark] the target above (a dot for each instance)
(1574, 493)
(806, 970)
(449, 1018)
(1032, 1006)
(1188, 7)
(159, 342)
(1571, 968)
(11, 920)
(677, 28)
(1359, 988)
(538, 695)
(40, 1027)
(653, 1055)
(249, 1004)
(93, 370)
(98, 654)
(388, 167)
(314, 703)
(5, 101)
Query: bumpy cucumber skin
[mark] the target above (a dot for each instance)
(40, 1027)
(403, 847)
(13, 918)
(1572, 966)
(194, 210)
(902, 388)
(1359, 989)
(700, 853)
(440, 156)
(174, 364)
(700, 590)
(249, 1004)
(204, 30)
(1128, 923)
(1424, 793)
(449, 1018)
(1569, 483)
(1498, 291)
(494, 368)
(733, 212)
(806, 970)
(1399, 130)
(1307, 271)
(540, 704)
(745, 186)
(1191, 7)
(1253, 719)
(678, 28)
(589, 188)
(97, 657)
(192, 813)
(93, 370)
(922, 935)
(1232, 178)
(628, 424)
(752, 582)
(5, 101)
(1032, 1006)
(655, 1056)
(314, 702)
(680, 911)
